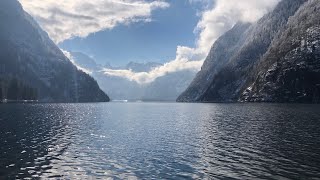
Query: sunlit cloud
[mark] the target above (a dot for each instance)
(63, 19)
(213, 23)
(66, 19)
(224, 15)
(148, 77)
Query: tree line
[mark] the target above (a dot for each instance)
(14, 90)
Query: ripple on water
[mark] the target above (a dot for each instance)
(159, 140)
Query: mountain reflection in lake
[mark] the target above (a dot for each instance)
(159, 140)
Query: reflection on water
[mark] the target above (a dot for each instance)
(160, 140)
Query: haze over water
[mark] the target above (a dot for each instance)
(160, 141)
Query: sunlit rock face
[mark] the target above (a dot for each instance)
(290, 70)
(28, 54)
(275, 59)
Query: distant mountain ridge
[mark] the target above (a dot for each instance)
(28, 54)
(165, 88)
(84, 61)
(142, 67)
(249, 70)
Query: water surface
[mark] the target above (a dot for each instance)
(160, 141)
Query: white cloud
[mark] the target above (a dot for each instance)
(148, 77)
(213, 23)
(223, 16)
(64, 19)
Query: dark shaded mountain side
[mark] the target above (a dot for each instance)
(15, 90)
(28, 54)
(236, 73)
(290, 70)
(229, 83)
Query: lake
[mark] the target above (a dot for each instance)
(159, 141)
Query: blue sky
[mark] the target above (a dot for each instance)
(119, 31)
(142, 41)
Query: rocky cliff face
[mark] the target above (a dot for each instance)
(28, 54)
(236, 79)
(290, 70)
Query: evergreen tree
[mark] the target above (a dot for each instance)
(14, 89)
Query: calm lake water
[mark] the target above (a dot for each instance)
(160, 141)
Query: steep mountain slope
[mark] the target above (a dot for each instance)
(290, 70)
(228, 83)
(28, 54)
(220, 53)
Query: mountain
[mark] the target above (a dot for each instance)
(168, 87)
(290, 70)
(117, 88)
(224, 48)
(142, 67)
(240, 74)
(28, 55)
(165, 88)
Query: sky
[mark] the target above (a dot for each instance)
(178, 33)
(156, 40)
